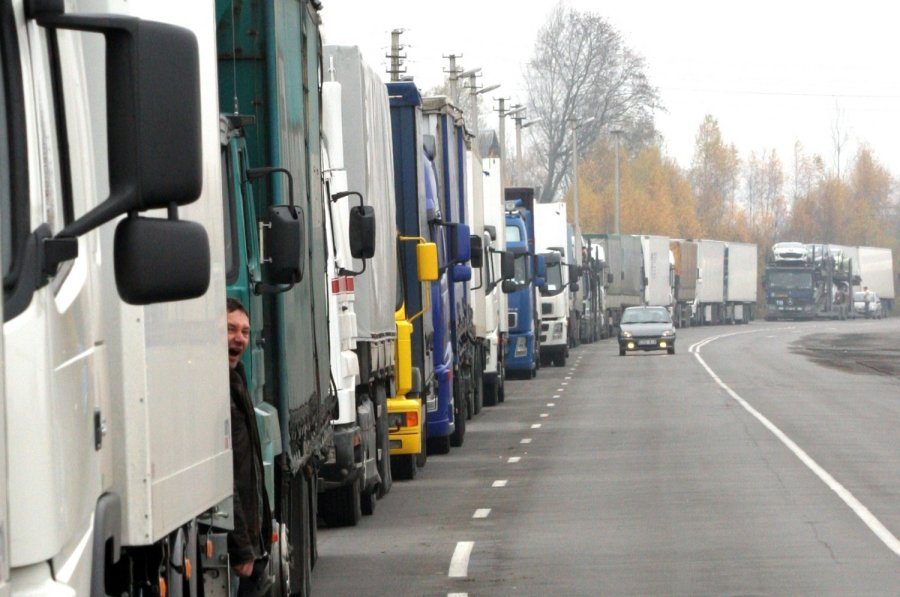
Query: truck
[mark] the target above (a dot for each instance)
(116, 405)
(489, 303)
(444, 123)
(551, 241)
(709, 304)
(684, 253)
(624, 257)
(369, 172)
(808, 284)
(593, 290)
(409, 448)
(277, 204)
(876, 271)
(523, 356)
(659, 272)
(741, 280)
(574, 258)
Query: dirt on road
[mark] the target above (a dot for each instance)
(871, 353)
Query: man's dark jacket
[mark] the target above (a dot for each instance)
(252, 533)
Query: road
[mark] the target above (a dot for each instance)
(644, 475)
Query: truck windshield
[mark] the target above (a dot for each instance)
(790, 280)
(522, 268)
(513, 234)
(554, 280)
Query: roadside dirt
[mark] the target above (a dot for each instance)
(872, 354)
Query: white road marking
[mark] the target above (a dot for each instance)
(842, 492)
(544, 415)
(457, 595)
(565, 383)
(556, 395)
(514, 459)
(459, 563)
(568, 377)
(482, 513)
(536, 426)
(560, 389)
(499, 483)
(525, 440)
(551, 404)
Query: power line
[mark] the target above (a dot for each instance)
(782, 93)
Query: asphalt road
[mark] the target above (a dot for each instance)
(647, 476)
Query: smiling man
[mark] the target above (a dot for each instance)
(248, 544)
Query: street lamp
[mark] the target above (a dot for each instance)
(617, 133)
(519, 117)
(472, 76)
(576, 123)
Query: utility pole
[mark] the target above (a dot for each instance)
(616, 133)
(501, 131)
(453, 77)
(575, 124)
(396, 56)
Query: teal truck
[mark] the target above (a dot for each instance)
(276, 254)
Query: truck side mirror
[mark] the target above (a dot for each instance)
(491, 231)
(476, 249)
(460, 273)
(574, 287)
(460, 243)
(158, 260)
(283, 244)
(540, 267)
(574, 271)
(427, 262)
(362, 232)
(539, 281)
(507, 266)
(509, 286)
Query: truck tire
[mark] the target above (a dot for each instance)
(367, 501)
(383, 434)
(439, 445)
(621, 352)
(341, 507)
(297, 512)
(478, 385)
(404, 467)
(459, 432)
(491, 390)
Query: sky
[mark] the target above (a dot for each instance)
(772, 73)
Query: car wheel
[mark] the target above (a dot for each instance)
(671, 349)
(621, 352)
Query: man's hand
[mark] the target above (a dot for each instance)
(244, 569)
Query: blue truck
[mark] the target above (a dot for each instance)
(444, 142)
(523, 354)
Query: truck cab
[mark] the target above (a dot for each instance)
(552, 240)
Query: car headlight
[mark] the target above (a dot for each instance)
(626, 334)
(668, 333)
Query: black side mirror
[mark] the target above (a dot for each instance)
(477, 251)
(362, 232)
(509, 286)
(491, 231)
(507, 266)
(158, 260)
(284, 244)
(574, 287)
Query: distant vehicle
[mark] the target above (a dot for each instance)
(646, 328)
(787, 253)
(867, 304)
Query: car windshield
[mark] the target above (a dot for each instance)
(646, 316)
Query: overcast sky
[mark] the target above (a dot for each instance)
(770, 72)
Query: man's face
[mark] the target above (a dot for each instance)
(238, 336)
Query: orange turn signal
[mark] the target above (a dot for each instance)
(412, 419)
(163, 589)
(188, 568)
(209, 549)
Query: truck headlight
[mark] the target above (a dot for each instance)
(521, 346)
(557, 331)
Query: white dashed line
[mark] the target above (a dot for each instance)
(544, 415)
(457, 595)
(560, 389)
(568, 377)
(551, 404)
(536, 426)
(514, 459)
(525, 440)
(482, 513)
(499, 483)
(565, 383)
(556, 395)
(848, 498)
(459, 563)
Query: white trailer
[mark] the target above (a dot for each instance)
(876, 271)
(488, 221)
(741, 280)
(369, 170)
(710, 294)
(117, 415)
(551, 238)
(659, 272)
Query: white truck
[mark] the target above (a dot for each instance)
(710, 292)
(659, 272)
(117, 415)
(741, 281)
(368, 168)
(488, 221)
(876, 271)
(551, 238)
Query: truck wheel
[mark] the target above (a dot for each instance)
(561, 360)
(491, 390)
(341, 507)
(459, 432)
(501, 389)
(404, 467)
(383, 434)
(368, 500)
(479, 382)
(439, 445)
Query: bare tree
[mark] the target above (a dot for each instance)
(839, 138)
(580, 69)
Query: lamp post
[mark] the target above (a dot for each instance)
(475, 91)
(617, 133)
(519, 118)
(576, 123)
